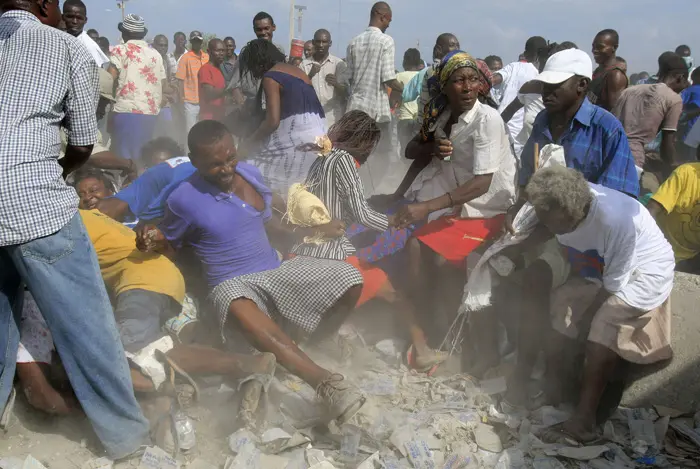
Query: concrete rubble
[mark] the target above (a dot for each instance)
(414, 421)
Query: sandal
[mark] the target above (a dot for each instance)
(252, 389)
(186, 394)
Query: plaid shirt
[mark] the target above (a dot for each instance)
(370, 60)
(48, 80)
(594, 144)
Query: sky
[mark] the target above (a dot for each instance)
(498, 27)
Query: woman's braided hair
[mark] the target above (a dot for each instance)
(356, 133)
(258, 57)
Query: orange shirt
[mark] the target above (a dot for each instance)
(187, 71)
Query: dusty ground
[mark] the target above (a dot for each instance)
(69, 442)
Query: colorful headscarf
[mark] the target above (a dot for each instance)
(436, 84)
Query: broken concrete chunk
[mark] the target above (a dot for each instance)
(584, 453)
(487, 438)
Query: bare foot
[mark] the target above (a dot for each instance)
(581, 430)
(426, 358)
(574, 430)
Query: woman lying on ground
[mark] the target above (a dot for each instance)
(466, 187)
(334, 179)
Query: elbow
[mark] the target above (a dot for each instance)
(483, 184)
(272, 124)
(415, 150)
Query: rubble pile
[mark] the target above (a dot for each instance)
(412, 421)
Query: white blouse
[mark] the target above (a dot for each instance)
(480, 146)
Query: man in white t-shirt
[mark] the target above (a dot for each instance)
(626, 321)
(75, 17)
(512, 77)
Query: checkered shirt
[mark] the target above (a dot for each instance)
(370, 60)
(48, 80)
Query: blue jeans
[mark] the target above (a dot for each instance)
(130, 132)
(62, 273)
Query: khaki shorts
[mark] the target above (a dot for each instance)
(638, 336)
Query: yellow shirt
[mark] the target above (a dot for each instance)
(126, 268)
(680, 196)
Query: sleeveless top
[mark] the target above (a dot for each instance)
(595, 89)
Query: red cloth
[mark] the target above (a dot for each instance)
(455, 238)
(211, 109)
(373, 279)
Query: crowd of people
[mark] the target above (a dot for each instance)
(150, 198)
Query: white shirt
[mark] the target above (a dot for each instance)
(93, 48)
(480, 146)
(332, 101)
(532, 105)
(638, 260)
(515, 75)
(370, 59)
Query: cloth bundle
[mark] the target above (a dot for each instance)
(305, 209)
(477, 291)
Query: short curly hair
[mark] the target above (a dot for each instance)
(558, 188)
(161, 144)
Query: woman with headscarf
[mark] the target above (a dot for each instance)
(393, 241)
(468, 182)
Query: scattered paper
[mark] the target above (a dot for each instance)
(420, 455)
(156, 458)
(98, 463)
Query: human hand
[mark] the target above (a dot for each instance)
(334, 229)
(315, 68)
(149, 238)
(382, 202)
(331, 79)
(442, 148)
(510, 217)
(395, 99)
(410, 214)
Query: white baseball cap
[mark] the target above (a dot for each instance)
(564, 65)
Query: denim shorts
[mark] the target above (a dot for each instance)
(140, 315)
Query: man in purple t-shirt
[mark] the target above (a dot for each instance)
(222, 212)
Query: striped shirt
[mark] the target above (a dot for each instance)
(595, 144)
(48, 81)
(335, 181)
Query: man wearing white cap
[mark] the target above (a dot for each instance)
(595, 144)
(141, 85)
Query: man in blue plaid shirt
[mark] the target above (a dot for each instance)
(49, 81)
